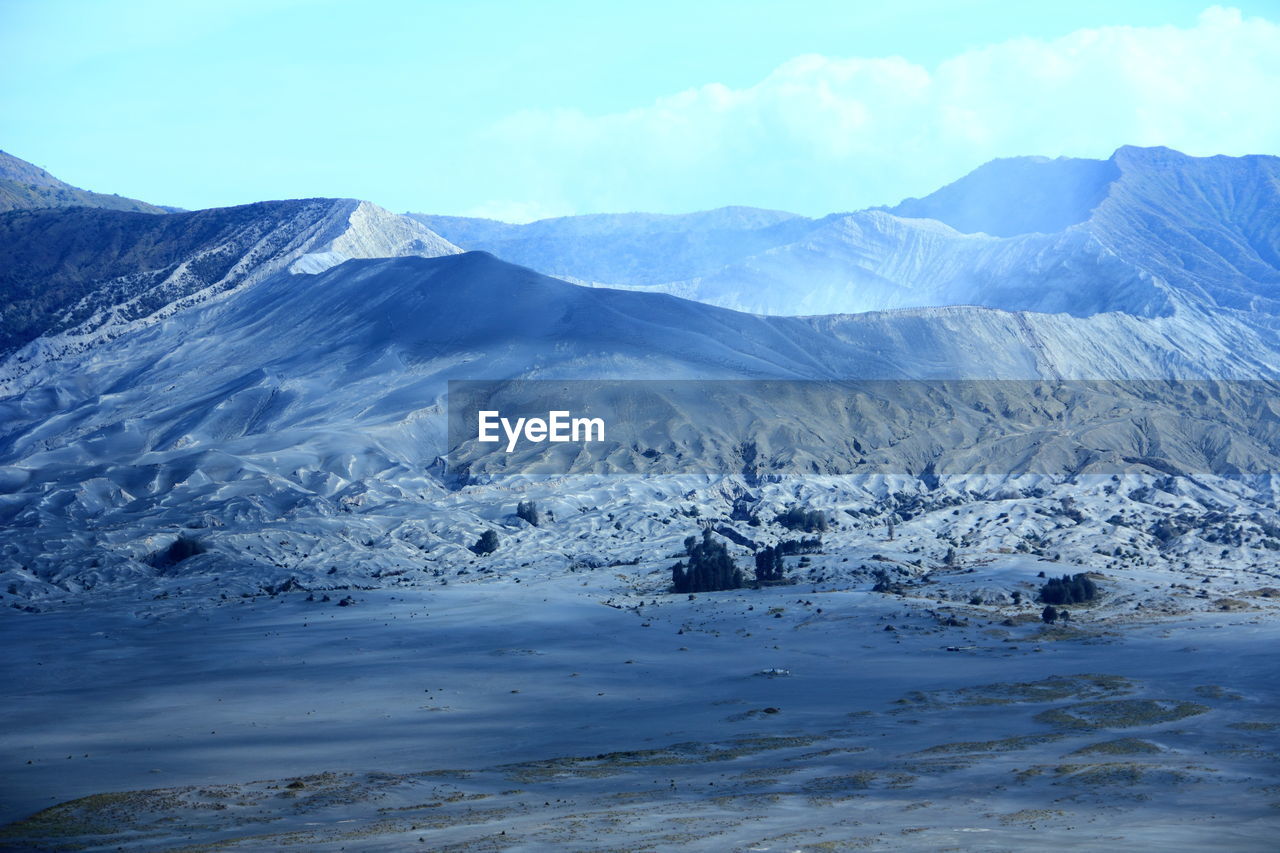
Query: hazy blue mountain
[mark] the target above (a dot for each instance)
(1017, 195)
(1208, 226)
(1142, 232)
(626, 248)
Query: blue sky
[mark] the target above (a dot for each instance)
(527, 109)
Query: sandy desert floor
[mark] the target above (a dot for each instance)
(592, 710)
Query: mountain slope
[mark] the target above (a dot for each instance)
(314, 406)
(216, 389)
(630, 248)
(24, 186)
(1210, 226)
(72, 277)
(875, 261)
(370, 345)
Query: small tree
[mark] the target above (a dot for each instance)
(710, 567)
(769, 565)
(951, 560)
(1049, 614)
(528, 510)
(486, 544)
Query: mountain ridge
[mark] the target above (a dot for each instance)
(77, 276)
(610, 247)
(1120, 223)
(25, 186)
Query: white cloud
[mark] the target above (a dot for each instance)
(820, 133)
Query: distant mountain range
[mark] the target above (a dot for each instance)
(1140, 233)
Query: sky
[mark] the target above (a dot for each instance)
(522, 110)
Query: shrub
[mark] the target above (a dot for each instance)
(886, 584)
(528, 510)
(486, 544)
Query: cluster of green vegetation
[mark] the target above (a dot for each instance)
(807, 545)
(769, 565)
(709, 566)
(1051, 614)
(1068, 589)
(799, 518)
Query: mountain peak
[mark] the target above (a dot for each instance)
(1018, 195)
(362, 229)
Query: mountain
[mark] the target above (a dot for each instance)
(1051, 195)
(24, 186)
(274, 371)
(1144, 232)
(314, 406)
(1207, 226)
(630, 248)
(75, 276)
